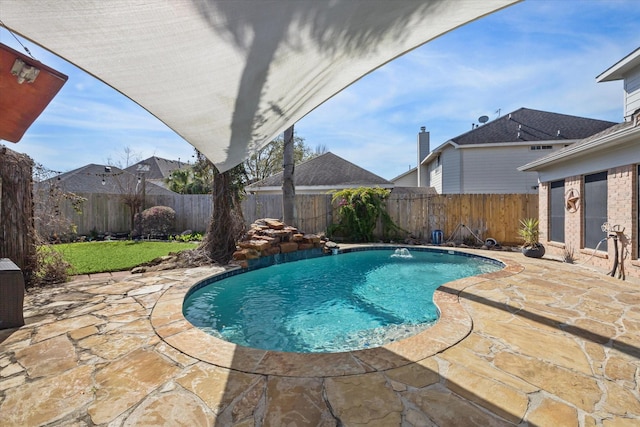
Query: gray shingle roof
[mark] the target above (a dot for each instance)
(327, 170)
(159, 168)
(88, 179)
(598, 141)
(525, 124)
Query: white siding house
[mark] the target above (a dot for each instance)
(407, 179)
(486, 159)
(627, 69)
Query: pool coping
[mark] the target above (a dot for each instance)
(453, 325)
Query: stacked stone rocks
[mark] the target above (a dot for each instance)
(269, 236)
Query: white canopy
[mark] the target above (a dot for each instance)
(230, 75)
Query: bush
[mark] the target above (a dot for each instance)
(187, 237)
(359, 210)
(155, 221)
(51, 267)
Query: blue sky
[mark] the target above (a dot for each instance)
(540, 54)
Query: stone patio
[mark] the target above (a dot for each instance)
(540, 343)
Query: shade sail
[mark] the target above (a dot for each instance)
(229, 76)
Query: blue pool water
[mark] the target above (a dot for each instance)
(333, 303)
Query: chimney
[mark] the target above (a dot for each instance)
(423, 151)
(423, 144)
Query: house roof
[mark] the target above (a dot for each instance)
(326, 170)
(620, 133)
(620, 68)
(403, 174)
(524, 125)
(159, 168)
(89, 179)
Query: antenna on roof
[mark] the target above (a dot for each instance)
(483, 119)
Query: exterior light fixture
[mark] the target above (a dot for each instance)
(24, 72)
(103, 181)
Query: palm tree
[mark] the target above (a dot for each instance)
(179, 181)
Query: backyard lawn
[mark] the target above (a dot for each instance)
(97, 257)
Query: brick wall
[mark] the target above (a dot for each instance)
(622, 205)
(622, 210)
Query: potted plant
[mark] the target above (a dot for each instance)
(529, 233)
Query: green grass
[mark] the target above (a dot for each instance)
(98, 257)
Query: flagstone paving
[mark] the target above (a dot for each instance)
(540, 343)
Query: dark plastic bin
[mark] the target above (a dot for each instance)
(11, 295)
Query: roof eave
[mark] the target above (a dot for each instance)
(437, 151)
(578, 150)
(618, 70)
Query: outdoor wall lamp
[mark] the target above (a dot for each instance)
(24, 72)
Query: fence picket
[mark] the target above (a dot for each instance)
(488, 215)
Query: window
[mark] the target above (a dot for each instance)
(556, 211)
(595, 210)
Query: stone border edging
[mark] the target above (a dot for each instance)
(453, 325)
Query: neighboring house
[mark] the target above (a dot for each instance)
(100, 179)
(486, 159)
(156, 169)
(595, 185)
(320, 175)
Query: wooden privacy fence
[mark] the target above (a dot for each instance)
(108, 213)
(459, 216)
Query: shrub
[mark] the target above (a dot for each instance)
(155, 221)
(188, 237)
(359, 210)
(51, 267)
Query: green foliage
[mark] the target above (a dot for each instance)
(529, 232)
(268, 160)
(181, 181)
(191, 237)
(359, 210)
(157, 220)
(97, 257)
(198, 179)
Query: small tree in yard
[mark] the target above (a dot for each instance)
(156, 221)
(49, 198)
(51, 226)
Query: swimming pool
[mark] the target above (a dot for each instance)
(351, 301)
